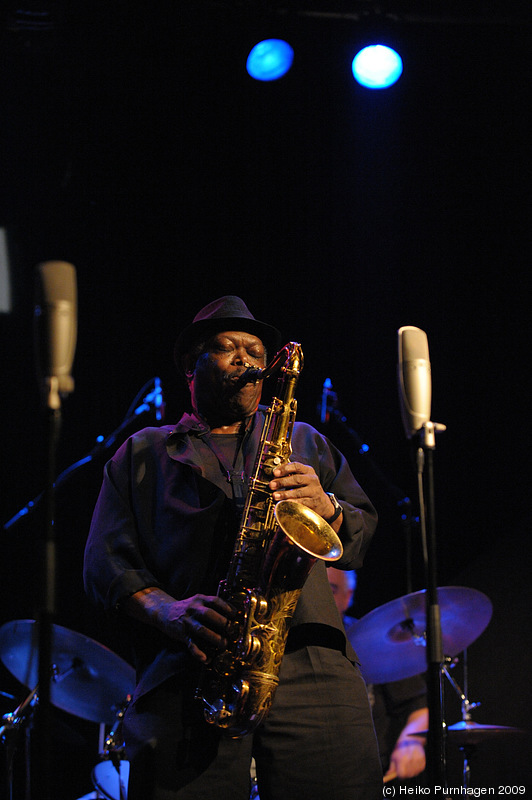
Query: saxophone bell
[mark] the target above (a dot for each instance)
(308, 530)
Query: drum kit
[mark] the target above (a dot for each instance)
(92, 682)
(87, 680)
(390, 643)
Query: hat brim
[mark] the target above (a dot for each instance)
(270, 336)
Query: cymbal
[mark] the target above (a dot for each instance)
(468, 732)
(88, 679)
(390, 640)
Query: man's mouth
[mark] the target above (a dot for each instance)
(243, 377)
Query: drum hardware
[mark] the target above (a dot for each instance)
(15, 722)
(467, 734)
(111, 781)
(254, 793)
(111, 775)
(96, 702)
(87, 680)
(113, 748)
(390, 641)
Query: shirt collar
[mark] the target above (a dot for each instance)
(192, 423)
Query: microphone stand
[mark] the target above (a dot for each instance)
(152, 401)
(435, 748)
(47, 611)
(48, 608)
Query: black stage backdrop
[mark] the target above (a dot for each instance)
(134, 145)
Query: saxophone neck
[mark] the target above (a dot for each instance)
(289, 358)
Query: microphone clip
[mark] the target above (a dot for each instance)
(427, 434)
(153, 400)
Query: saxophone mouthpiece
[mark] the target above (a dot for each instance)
(250, 375)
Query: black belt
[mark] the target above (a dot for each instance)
(315, 634)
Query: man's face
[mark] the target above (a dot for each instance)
(341, 590)
(214, 388)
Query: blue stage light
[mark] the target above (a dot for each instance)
(377, 66)
(270, 60)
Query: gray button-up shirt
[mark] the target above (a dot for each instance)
(164, 518)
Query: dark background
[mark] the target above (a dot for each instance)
(134, 145)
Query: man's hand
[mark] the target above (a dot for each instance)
(199, 621)
(408, 757)
(407, 760)
(295, 481)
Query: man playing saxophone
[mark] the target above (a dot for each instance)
(162, 539)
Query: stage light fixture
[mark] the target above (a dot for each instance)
(377, 66)
(269, 60)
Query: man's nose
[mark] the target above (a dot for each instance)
(241, 357)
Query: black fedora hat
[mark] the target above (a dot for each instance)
(228, 313)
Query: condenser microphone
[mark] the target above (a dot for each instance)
(415, 387)
(55, 328)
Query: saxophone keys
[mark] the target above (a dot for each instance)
(261, 609)
(254, 647)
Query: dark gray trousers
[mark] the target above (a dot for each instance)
(318, 741)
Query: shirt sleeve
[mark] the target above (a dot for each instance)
(113, 565)
(359, 519)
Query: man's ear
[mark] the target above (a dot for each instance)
(187, 364)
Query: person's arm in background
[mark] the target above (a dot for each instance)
(408, 756)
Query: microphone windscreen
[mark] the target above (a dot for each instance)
(56, 321)
(414, 378)
(414, 343)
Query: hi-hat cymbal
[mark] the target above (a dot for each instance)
(88, 679)
(390, 640)
(467, 732)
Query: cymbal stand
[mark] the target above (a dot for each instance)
(22, 719)
(466, 708)
(114, 751)
(19, 719)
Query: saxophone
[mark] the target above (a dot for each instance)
(275, 549)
